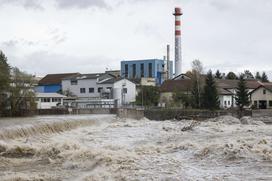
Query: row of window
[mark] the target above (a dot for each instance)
(225, 103)
(269, 103)
(50, 100)
(141, 70)
(91, 90)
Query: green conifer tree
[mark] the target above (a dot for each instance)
(4, 82)
(264, 77)
(218, 75)
(258, 76)
(242, 95)
(210, 95)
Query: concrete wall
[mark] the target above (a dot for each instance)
(169, 114)
(130, 113)
(76, 111)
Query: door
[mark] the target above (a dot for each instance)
(262, 104)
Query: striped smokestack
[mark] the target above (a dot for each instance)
(177, 15)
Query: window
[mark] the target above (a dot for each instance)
(45, 100)
(225, 102)
(134, 70)
(264, 91)
(270, 103)
(56, 100)
(255, 103)
(142, 70)
(228, 102)
(124, 90)
(150, 70)
(91, 90)
(99, 89)
(126, 70)
(73, 82)
(82, 90)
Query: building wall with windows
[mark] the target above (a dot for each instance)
(49, 100)
(261, 98)
(85, 87)
(226, 101)
(149, 68)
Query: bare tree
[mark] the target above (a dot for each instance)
(197, 70)
(22, 96)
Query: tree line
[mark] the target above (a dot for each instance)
(17, 95)
(247, 75)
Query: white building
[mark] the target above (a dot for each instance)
(89, 85)
(124, 91)
(49, 100)
(91, 88)
(225, 98)
(261, 97)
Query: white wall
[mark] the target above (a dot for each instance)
(225, 101)
(85, 83)
(47, 105)
(129, 97)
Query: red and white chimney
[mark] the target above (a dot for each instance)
(177, 15)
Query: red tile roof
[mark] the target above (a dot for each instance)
(55, 78)
(176, 85)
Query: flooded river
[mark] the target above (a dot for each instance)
(102, 147)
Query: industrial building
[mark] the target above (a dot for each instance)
(148, 68)
(98, 90)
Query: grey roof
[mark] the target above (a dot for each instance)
(222, 91)
(84, 76)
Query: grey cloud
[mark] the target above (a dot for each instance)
(62, 4)
(13, 43)
(81, 3)
(28, 4)
(10, 43)
(49, 62)
(58, 36)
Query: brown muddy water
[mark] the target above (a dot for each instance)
(102, 147)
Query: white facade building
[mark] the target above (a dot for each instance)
(49, 100)
(100, 88)
(124, 91)
(261, 97)
(89, 85)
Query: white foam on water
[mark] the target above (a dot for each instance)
(125, 149)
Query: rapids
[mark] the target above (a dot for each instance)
(103, 147)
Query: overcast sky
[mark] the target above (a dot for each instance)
(86, 36)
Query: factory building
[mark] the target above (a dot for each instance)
(148, 68)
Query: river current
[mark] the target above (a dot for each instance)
(103, 147)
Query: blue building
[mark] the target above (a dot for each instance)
(149, 68)
(52, 83)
